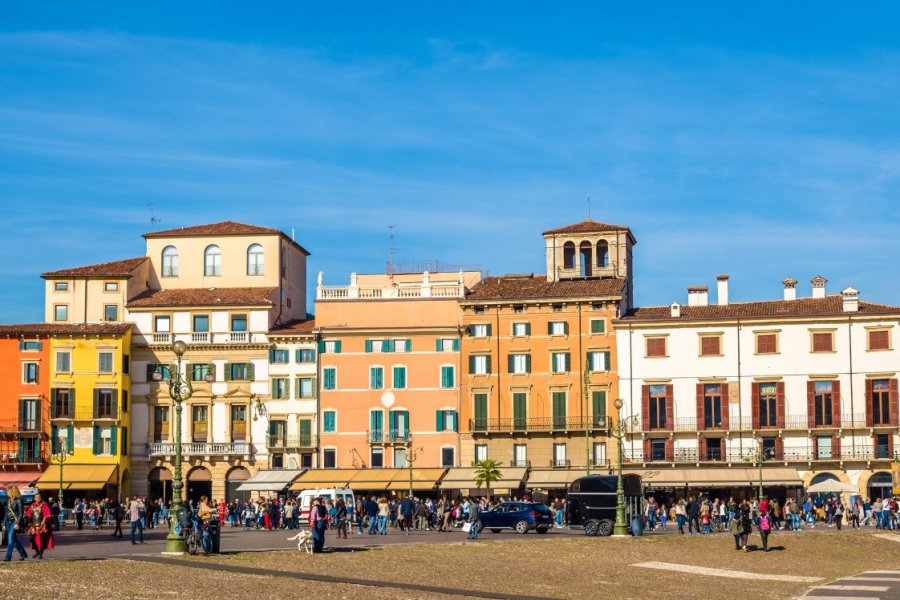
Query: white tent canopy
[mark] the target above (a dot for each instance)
(831, 486)
(271, 481)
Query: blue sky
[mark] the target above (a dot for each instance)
(760, 141)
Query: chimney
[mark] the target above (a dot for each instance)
(676, 310)
(790, 288)
(723, 290)
(851, 300)
(698, 295)
(818, 286)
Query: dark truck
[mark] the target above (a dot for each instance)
(591, 504)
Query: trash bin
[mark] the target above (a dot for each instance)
(215, 534)
(637, 527)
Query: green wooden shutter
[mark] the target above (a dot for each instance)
(408, 344)
(456, 344)
(54, 442)
(598, 401)
(607, 360)
(328, 421)
(251, 372)
(559, 409)
(321, 346)
(489, 364)
(70, 440)
(112, 441)
(480, 411)
(489, 329)
(471, 364)
(313, 383)
(520, 410)
(598, 326)
(527, 328)
(438, 345)
(96, 441)
(550, 328)
(392, 421)
(455, 418)
(296, 356)
(271, 356)
(96, 402)
(439, 424)
(510, 363)
(388, 345)
(405, 414)
(337, 347)
(305, 432)
(568, 362)
(566, 327)
(227, 371)
(368, 345)
(528, 363)
(115, 404)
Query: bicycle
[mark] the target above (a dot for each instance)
(197, 538)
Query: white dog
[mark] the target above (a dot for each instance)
(304, 541)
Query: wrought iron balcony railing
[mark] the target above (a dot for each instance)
(538, 424)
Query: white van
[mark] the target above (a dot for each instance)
(305, 499)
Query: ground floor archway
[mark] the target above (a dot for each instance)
(159, 484)
(880, 484)
(199, 483)
(233, 480)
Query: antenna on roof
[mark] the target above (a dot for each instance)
(589, 208)
(393, 250)
(153, 218)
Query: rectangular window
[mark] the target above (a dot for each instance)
(280, 390)
(376, 378)
(658, 407)
(306, 356)
(305, 387)
(598, 408)
(111, 286)
(329, 378)
(239, 371)
(105, 442)
(559, 455)
(63, 362)
(480, 330)
(481, 452)
(768, 405)
(448, 377)
(26, 345)
(880, 339)
(377, 457)
(279, 357)
(30, 420)
(656, 346)
(448, 458)
(199, 423)
(713, 449)
(329, 421)
(823, 447)
(201, 323)
(599, 454)
(332, 347)
(106, 404)
(399, 378)
(882, 445)
(823, 342)
(657, 450)
(105, 362)
(823, 403)
(61, 286)
(519, 363)
(518, 308)
(710, 345)
(480, 364)
(110, 312)
(880, 408)
(559, 410)
(598, 361)
(712, 405)
(60, 312)
(447, 419)
(30, 372)
(238, 422)
(160, 423)
(557, 307)
(62, 405)
(199, 372)
(162, 324)
(558, 327)
(448, 345)
(767, 343)
(521, 329)
(481, 412)
(520, 455)
(329, 458)
(598, 325)
(238, 323)
(561, 362)
(520, 411)
(768, 448)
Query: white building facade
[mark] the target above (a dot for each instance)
(809, 383)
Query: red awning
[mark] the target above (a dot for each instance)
(19, 478)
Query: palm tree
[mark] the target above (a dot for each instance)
(486, 473)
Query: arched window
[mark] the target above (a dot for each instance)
(212, 257)
(602, 254)
(170, 262)
(569, 255)
(255, 260)
(585, 251)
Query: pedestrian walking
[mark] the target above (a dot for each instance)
(838, 513)
(118, 512)
(680, 516)
(474, 519)
(12, 522)
(764, 522)
(38, 517)
(341, 517)
(79, 514)
(135, 509)
(318, 521)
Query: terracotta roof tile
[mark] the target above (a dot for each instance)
(222, 228)
(117, 268)
(204, 297)
(64, 328)
(295, 327)
(588, 226)
(802, 307)
(534, 287)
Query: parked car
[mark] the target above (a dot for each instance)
(521, 517)
(591, 503)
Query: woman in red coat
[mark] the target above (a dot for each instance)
(38, 516)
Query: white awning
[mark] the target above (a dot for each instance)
(271, 481)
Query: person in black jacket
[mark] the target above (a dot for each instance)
(118, 513)
(692, 508)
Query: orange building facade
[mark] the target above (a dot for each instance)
(389, 371)
(539, 359)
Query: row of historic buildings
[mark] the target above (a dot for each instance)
(436, 368)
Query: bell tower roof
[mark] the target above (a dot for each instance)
(589, 226)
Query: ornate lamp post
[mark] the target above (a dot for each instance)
(411, 456)
(619, 429)
(758, 455)
(180, 389)
(60, 456)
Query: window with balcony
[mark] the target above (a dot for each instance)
(823, 447)
(558, 327)
(279, 357)
(329, 378)
(62, 403)
(883, 445)
(598, 361)
(199, 423)
(559, 410)
(448, 377)
(480, 411)
(521, 329)
(399, 425)
(480, 364)
(657, 450)
(559, 455)
(657, 407)
(255, 260)
(879, 339)
(110, 312)
(30, 372)
(170, 262)
(280, 388)
(29, 451)
(767, 343)
(768, 405)
(160, 423)
(162, 324)
(105, 403)
(305, 387)
(376, 378)
(60, 312)
(520, 410)
(30, 414)
(238, 422)
(710, 345)
(656, 347)
(598, 408)
(712, 405)
(599, 453)
(713, 449)
(105, 362)
(200, 323)
(519, 364)
(238, 323)
(329, 421)
(212, 261)
(560, 362)
(769, 448)
(880, 406)
(823, 403)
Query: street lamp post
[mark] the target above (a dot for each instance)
(411, 456)
(180, 390)
(60, 456)
(758, 455)
(587, 425)
(619, 429)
